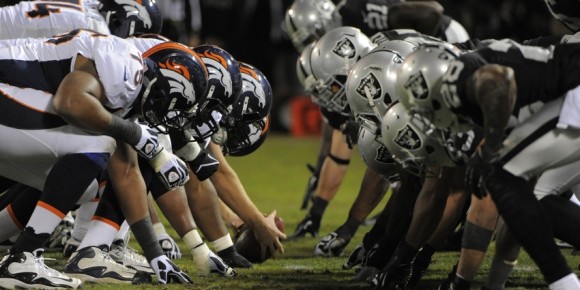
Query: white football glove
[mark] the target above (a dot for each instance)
(168, 272)
(148, 146)
(169, 246)
(171, 170)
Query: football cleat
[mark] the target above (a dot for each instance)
(94, 264)
(27, 270)
(331, 245)
(355, 258)
(308, 225)
(129, 257)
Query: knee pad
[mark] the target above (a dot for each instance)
(476, 237)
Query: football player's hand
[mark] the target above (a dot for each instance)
(171, 170)
(269, 236)
(148, 146)
(169, 246)
(477, 171)
(167, 272)
(350, 130)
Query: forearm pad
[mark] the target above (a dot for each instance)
(204, 165)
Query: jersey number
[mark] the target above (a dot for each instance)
(448, 88)
(63, 38)
(377, 16)
(44, 8)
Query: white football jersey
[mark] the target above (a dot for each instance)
(144, 44)
(42, 63)
(50, 17)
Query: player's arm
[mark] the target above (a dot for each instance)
(233, 194)
(493, 88)
(79, 101)
(423, 16)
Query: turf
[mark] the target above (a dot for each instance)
(275, 177)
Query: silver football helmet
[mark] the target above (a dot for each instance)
(371, 84)
(409, 143)
(419, 82)
(374, 153)
(332, 58)
(303, 68)
(308, 20)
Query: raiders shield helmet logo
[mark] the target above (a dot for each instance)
(345, 48)
(369, 86)
(384, 156)
(408, 138)
(417, 86)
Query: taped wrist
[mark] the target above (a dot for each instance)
(338, 161)
(476, 237)
(125, 130)
(189, 151)
(161, 158)
(145, 236)
(222, 243)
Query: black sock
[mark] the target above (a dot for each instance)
(528, 221)
(349, 228)
(318, 207)
(565, 217)
(425, 253)
(145, 236)
(405, 253)
(461, 284)
(29, 241)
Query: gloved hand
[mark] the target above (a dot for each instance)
(204, 165)
(350, 130)
(148, 146)
(310, 187)
(171, 170)
(478, 169)
(167, 272)
(231, 257)
(169, 246)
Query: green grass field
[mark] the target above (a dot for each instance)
(275, 177)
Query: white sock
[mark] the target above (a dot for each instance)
(568, 282)
(8, 223)
(99, 233)
(44, 218)
(123, 232)
(83, 219)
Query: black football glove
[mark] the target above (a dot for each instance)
(231, 257)
(350, 130)
(478, 169)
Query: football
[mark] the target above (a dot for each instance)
(247, 245)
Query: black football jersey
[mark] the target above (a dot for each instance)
(567, 11)
(541, 74)
(370, 16)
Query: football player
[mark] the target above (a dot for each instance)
(87, 117)
(44, 19)
(480, 88)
